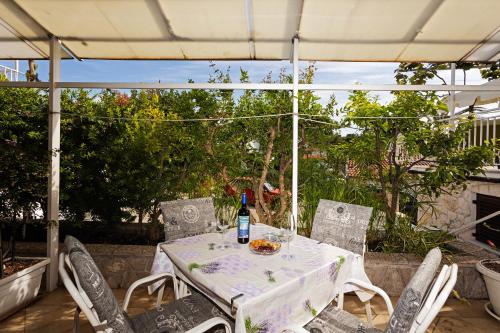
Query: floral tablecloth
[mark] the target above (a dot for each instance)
(287, 288)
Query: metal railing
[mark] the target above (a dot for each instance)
(10, 73)
(485, 128)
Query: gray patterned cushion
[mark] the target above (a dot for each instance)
(179, 316)
(342, 225)
(335, 320)
(189, 217)
(412, 297)
(72, 243)
(96, 287)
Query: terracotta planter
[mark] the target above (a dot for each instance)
(20, 288)
(492, 281)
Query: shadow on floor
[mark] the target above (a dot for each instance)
(53, 312)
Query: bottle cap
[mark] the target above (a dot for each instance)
(244, 198)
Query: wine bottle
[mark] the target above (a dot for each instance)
(243, 221)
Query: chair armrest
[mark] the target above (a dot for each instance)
(147, 280)
(375, 289)
(206, 325)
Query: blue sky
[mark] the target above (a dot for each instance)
(182, 71)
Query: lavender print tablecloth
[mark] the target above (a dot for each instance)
(288, 288)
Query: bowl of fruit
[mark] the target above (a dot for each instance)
(264, 246)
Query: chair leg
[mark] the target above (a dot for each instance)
(368, 308)
(76, 320)
(340, 302)
(160, 294)
(182, 289)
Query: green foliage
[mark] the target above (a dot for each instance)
(316, 184)
(122, 154)
(23, 151)
(253, 151)
(420, 73)
(406, 238)
(120, 157)
(193, 265)
(491, 72)
(397, 136)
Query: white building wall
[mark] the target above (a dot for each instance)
(453, 211)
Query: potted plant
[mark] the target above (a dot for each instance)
(20, 277)
(490, 269)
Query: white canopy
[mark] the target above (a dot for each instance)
(466, 98)
(336, 30)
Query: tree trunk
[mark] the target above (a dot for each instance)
(266, 212)
(284, 164)
(141, 217)
(209, 144)
(12, 242)
(155, 227)
(1, 253)
(394, 200)
(380, 171)
(394, 174)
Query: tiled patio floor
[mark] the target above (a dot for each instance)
(53, 313)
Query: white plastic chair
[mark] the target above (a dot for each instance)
(350, 236)
(436, 298)
(417, 307)
(84, 304)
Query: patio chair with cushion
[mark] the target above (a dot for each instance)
(184, 218)
(417, 306)
(93, 296)
(187, 217)
(343, 225)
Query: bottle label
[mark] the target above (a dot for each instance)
(243, 226)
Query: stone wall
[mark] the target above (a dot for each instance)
(455, 210)
(123, 264)
(120, 265)
(393, 271)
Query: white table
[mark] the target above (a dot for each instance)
(267, 292)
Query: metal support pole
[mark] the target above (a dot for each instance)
(16, 66)
(295, 144)
(451, 101)
(54, 146)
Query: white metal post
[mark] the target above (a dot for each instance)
(16, 66)
(54, 146)
(295, 144)
(451, 101)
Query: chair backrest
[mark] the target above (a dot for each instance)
(188, 217)
(436, 298)
(90, 290)
(73, 290)
(342, 225)
(412, 298)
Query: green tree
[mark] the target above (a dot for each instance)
(394, 138)
(259, 150)
(89, 136)
(23, 156)
(420, 73)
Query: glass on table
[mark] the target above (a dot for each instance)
(222, 226)
(288, 233)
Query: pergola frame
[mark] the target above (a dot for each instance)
(55, 85)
